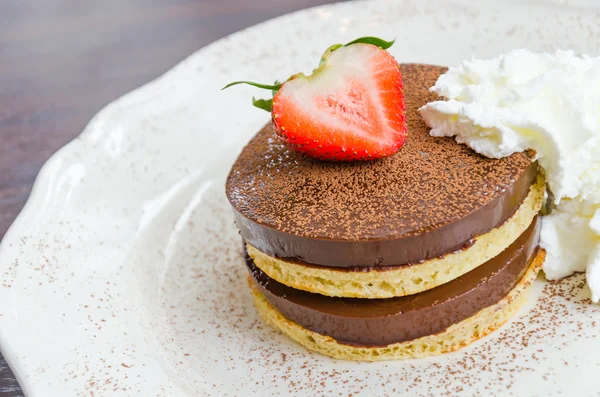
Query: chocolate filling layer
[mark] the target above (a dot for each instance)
(380, 322)
(431, 198)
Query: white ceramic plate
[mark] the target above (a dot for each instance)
(123, 274)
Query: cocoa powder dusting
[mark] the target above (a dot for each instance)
(536, 347)
(429, 183)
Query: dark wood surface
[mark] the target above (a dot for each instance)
(62, 60)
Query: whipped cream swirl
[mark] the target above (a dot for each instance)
(549, 103)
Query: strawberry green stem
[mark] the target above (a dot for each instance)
(264, 104)
(372, 40)
(273, 87)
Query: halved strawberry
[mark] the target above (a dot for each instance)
(350, 108)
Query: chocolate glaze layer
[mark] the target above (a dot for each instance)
(380, 322)
(429, 199)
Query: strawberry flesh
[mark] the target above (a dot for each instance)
(350, 108)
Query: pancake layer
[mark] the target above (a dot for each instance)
(392, 281)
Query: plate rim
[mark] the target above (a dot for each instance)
(41, 183)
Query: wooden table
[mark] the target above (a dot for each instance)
(61, 61)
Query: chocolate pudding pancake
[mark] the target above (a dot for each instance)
(391, 227)
(417, 253)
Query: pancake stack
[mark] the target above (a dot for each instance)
(412, 255)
